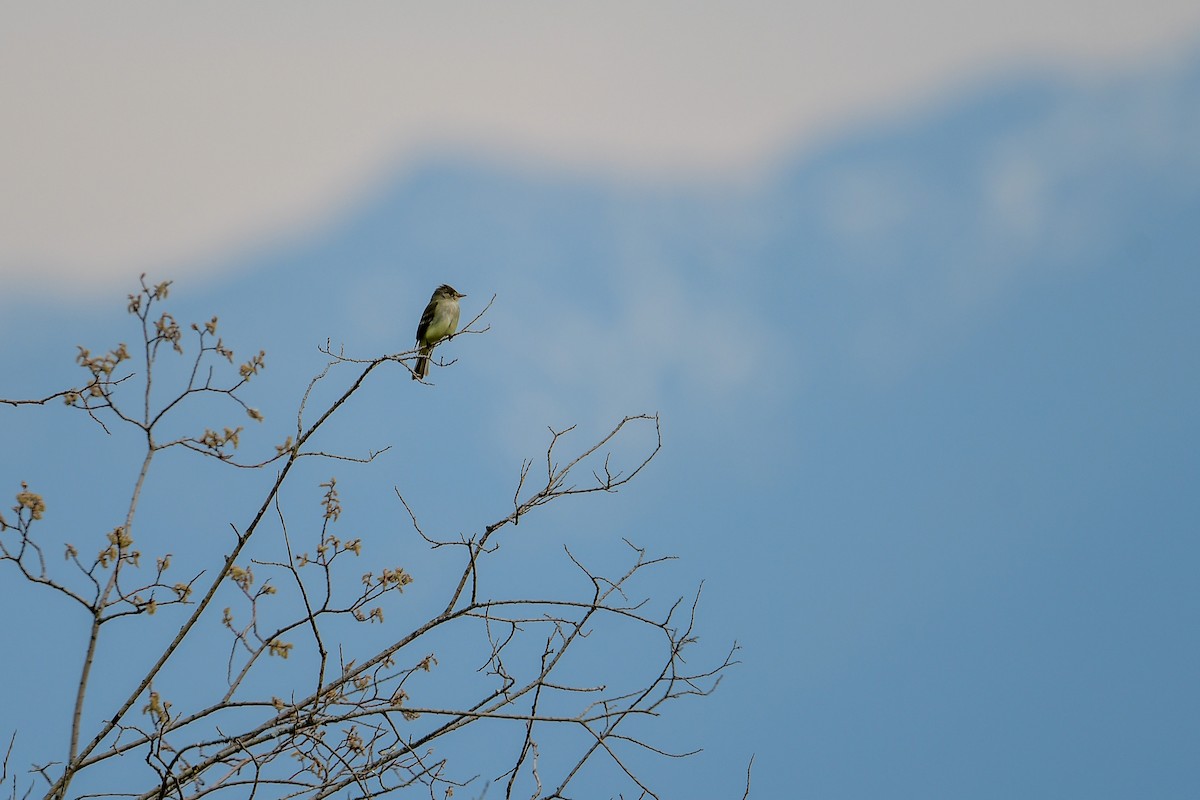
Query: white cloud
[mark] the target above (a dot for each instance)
(139, 135)
(667, 334)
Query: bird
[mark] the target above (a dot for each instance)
(439, 321)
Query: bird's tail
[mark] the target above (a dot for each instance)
(422, 366)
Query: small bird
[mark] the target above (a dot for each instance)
(439, 321)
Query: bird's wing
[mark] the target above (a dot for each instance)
(426, 320)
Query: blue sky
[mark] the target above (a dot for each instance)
(926, 369)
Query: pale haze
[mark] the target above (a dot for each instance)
(140, 136)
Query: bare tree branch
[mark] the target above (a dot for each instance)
(348, 713)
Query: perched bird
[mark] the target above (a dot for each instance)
(439, 321)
